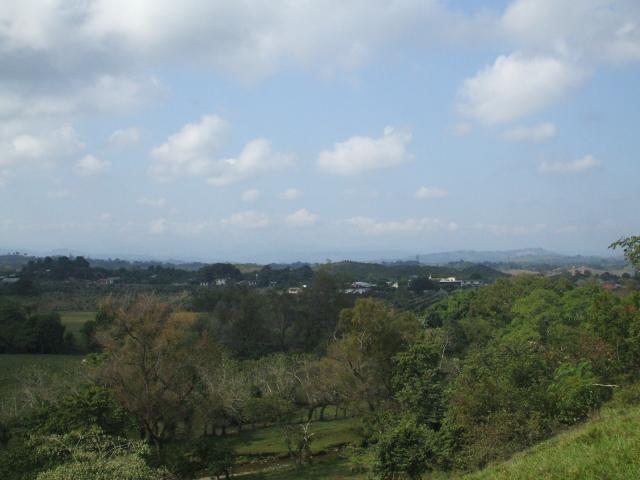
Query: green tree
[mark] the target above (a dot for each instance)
(407, 450)
(631, 248)
(92, 455)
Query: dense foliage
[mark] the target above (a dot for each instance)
(25, 332)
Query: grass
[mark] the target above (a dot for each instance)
(73, 321)
(270, 441)
(11, 365)
(336, 468)
(605, 448)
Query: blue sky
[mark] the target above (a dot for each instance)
(269, 131)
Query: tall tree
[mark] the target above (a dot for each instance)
(153, 354)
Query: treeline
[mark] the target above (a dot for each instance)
(22, 331)
(60, 269)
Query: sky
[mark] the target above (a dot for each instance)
(279, 130)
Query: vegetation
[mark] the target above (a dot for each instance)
(605, 447)
(246, 378)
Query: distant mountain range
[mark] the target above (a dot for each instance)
(524, 257)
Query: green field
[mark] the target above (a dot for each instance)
(270, 441)
(263, 452)
(73, 321)
(12, 365)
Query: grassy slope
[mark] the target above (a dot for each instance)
(604, 448)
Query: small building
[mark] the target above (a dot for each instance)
(295, 290)
(221, 282)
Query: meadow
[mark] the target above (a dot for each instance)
(74, 320)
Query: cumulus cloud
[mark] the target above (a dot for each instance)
(47, 147)
(536, 133)
(257, 157)
(430, 193)
(516, 86)
(247, 39)
(594, 30)
(189, 151)
(290, 194)
(194, 150)
(124, 137)
(583, 164)
(301, 218)
(361, 154)
(250, 195)
(247, 219)
(89, 166)
(371, 227)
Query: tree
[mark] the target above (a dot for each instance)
(418, 379)
(631, 248)
(408, 449)
(92, 455)
(370, 335)
(298, 438)
(152, 360)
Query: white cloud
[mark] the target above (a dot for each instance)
(301, 218)
(47, 147)
(516, 86)
(247, 219)
(594, 30)
(257, 157)
(189, 152)
(105, 93)
(576, 166)
(124, 137)
(152, 202)
(89, 166)
(536, 133)
(106, 217)
(430, 193)
(194, 150)
(371, 227)
(250, 195)
(360, 154)
(290, 194)
(186, 228)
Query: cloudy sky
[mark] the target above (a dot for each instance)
(281, 130)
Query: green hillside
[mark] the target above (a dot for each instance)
(604, 448)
